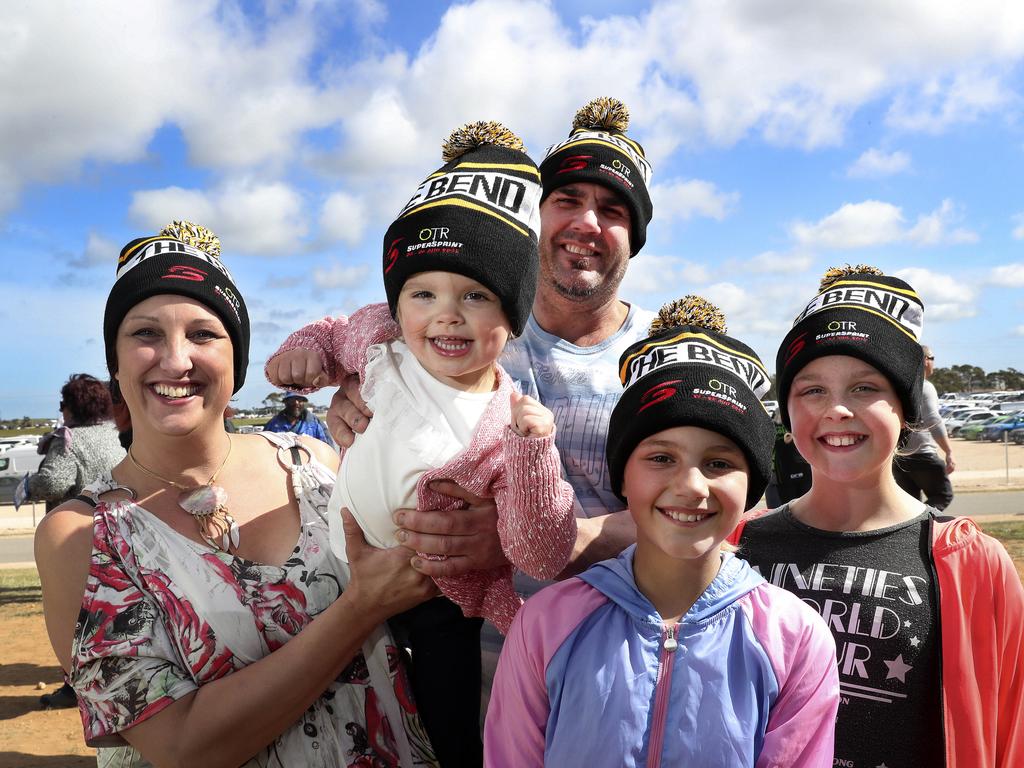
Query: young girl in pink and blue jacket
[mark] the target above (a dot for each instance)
(676, 652)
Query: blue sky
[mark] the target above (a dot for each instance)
(785, 137)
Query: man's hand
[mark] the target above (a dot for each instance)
(348, 414)
(468, 538)
(599, 538)
(297, 369)
(950, 464)
(529, 417)
(382, 582)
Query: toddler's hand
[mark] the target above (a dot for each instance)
(297, 369)
(530, 418)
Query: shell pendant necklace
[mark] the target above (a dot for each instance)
(207, 504)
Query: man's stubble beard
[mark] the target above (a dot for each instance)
(605, 288)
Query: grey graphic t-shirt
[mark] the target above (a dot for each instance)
(876, 593)
(581, 386)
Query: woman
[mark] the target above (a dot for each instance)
(214, 627)
(83, 449)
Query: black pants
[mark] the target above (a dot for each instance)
(924, 473)
(444, 670)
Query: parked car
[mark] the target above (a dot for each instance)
(1017, 435)
(955, 426)
(771, 406)
(995, 431)
(975, 430)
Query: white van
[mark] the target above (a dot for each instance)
(14, 463)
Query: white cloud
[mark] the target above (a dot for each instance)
(935, 228)
(1018, 230)
(1019, 330)
(1008, 275)
(945, 297)
(670, 276)
(684, 199)
(874, 163)
(264, 219)
(343, 218)
(339, 276)
(938, 103)
(98, 251)
(780, 263)
(854, 225)
(873, 223)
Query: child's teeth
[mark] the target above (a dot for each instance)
(686, 518)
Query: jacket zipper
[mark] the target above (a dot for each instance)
(662, 688)
(937, 598)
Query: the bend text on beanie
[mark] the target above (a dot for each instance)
(598, 151)
(863, 313)
(690, 373)
(478, 215)
(183, 259)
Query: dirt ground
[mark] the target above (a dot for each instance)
(33, 738)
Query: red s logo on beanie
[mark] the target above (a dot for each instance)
(182, 272)
(574, 163)
(392, 255)
(795, 347)
(658, 393)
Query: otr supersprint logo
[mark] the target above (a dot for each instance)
(164, 247)
(506, 194)
(623, 145)
(901, 309)
(695, 351)
(431, 240)
(842, 329)
(719, 391)
(230, 298)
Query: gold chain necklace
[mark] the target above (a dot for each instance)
(207, 504)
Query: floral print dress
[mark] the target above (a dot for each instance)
(163, 615)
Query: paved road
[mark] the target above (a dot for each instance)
(18, 549)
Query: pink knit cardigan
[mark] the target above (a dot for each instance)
(536, 525)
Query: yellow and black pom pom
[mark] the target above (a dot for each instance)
(837, 273)
(689, 310)
(473, 135)
(603, 113)
(195, 235)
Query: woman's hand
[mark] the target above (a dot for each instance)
(348, 414)
(468, 538)
(383, 582)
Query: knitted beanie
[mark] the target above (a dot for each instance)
(865, 314)
(184, 259)
(478, 215)
(689, 373)
(598, 151)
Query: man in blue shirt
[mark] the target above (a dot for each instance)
(297, 418)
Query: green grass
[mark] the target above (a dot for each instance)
(20, 591)
(24, 431)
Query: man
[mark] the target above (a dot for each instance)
(594, 215)
(296, 417)
(918, 468)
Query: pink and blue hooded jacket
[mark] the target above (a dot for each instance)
(590, 675)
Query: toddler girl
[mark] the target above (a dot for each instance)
(460, 271)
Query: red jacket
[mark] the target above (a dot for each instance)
(981, 618)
